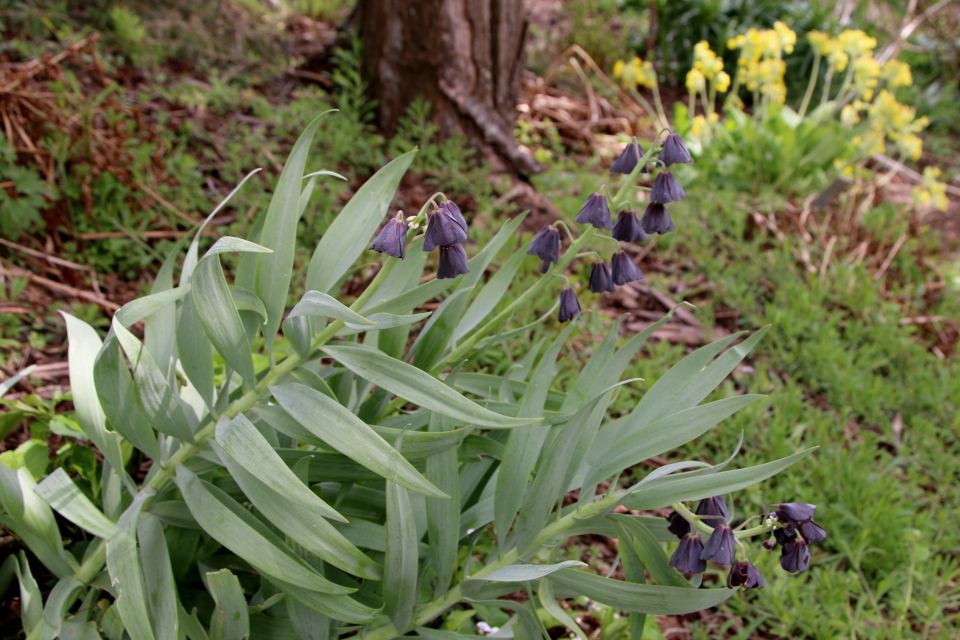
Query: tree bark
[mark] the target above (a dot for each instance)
(464, 56)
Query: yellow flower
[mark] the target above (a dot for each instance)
(820, 42)
(866, 75)
(723, 82)
(933, 191)
(910, 145)
(697, 125)
(856, 43)
(897, 73)
(785, 35)
(849, 117)
(636, 72)
(838, 58)
(706, 61)
(695, 81)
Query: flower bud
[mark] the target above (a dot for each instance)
(453, 262)
(656, 219)
(392, 239)
(446, 227)
(628, 160)
(600, 278)
(628, 228)
(674, 151)
(569, 307)
(596, 212)
(686, 559)
(624, 269)
(666, 188)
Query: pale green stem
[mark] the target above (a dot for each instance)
(815, 72)
(660, 112)
(827, 81)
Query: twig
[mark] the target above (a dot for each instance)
(156, 196)
(156, 233)
(59, 287)
(889, 259)
(907, 172)
(826, 255)
(591, 96)
(55, 260)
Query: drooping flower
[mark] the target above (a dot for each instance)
(679, 526)
(392, 239)
(446, 227)
(656, 219)
(666, 189)
(713, 510)
(628, 228)
(793, 512)
(812, 532)
(744, 574)
(795, 556)
(596, 212)
(453, 261)
(546, 246)
(722, 545)
(628, 160)
(569, 307)
(674, 151)
(784, 535)
(624, 269)
(600, 278)
(686, 558)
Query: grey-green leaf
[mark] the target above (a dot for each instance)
(316, 303)
(346, 433)
(419, 387)
(59, 491)
(230, 619)
(161, 589)
(401, 563)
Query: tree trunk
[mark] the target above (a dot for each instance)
(464, 56)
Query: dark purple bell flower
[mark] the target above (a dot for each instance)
(624, 269)
(628, 228)
(679, 526)
(453, 261)
(722, 545)
(445, 227)
(795, 556)
(546, 246)
(793, 512)
(674, 151)
(812, 532)
(656, 219)
(784, 535)
(628, 160)
(600, 277)
(569, 307)
(666, 189)
(392, 239)
(744, 574)
(596, 212)
(686, 559)
(712, 510)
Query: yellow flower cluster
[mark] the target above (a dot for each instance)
(866, 76)
(707, 66)
(932, 191)
(760, 66)
(898, 122)
(896, 73)
(699, 123)
(636, 72)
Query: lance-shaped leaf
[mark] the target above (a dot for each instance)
(159, 329)
(642, 598)
(250, 449)
(675, 489)
(31, 519)
(311, 531)
(156, 397)
(410, 383)
(645, 545)
(84, 344)
(549, 602)
(316, 303)
(59, 491)
(230, 619)
(239, 531)
(246, 300)
(401, 563)
(525, 572)
(523, 445)
(279, 234)
(161, 589)
(443, 516)
(220, 319)
(661, 436)
(436, 335)
(489, 296)
(195, 351)
(58, 603)
(136, 310)
(31, 601)
(119, 401)
(126, 577)
(350, 232)
(338, 607)
(382, 321)
(342, 430)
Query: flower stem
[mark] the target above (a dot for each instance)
(812, 85)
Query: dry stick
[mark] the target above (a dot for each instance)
(591, 96)
(155, 234)
(890, 256)
(60, 287)
(826, 255)
(55, 260)
(180, 214)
